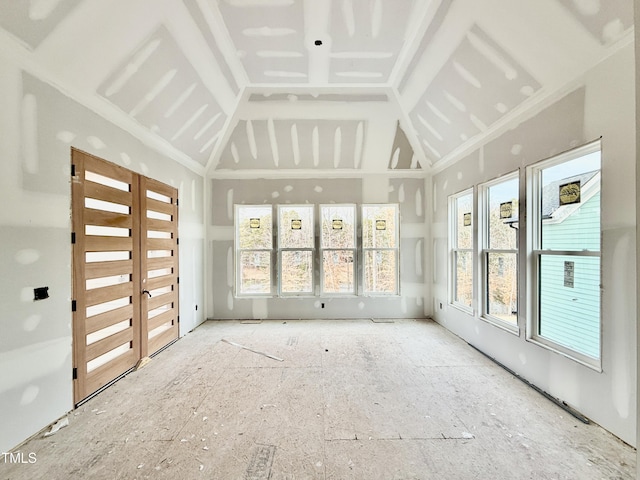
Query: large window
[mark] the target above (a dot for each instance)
(380, 242)
(461, 235)
(296, 242)
(338, 249)
(254, 246)
(566, 253)
(500, 250)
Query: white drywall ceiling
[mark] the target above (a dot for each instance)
(242, 85)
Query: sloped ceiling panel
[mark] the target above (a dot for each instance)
(294, 144)
(205, 29)
(431, 31)
(269, 39)
(605, 19)
(33, 21)
(158, 87)
(478, 85)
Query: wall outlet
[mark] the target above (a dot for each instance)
(322, 305)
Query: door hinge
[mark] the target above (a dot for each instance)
(73, 305)
(178, 318)
(177, 202)
(75, 373)
(177, 279)
(73, 238)
(73, 170)
(177, 241)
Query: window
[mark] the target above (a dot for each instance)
(380, 249)
(461, 238)
(254, 244)
(566, 253)
(338, 249)
(296, 242)
(500, 251)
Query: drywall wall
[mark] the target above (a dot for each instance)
(408, 192)
(39, 125)
(599, 104)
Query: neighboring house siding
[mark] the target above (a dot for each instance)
(570, 316)
(582, 228)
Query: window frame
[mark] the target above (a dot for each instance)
(535, 253)
(454, 250)
(396, 249)
(484, 218)
(354, 250)
(281, 250)
(238, 254)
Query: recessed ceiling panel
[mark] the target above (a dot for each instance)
(361, 70)
(605, 19)
(269, 39)
(325, 97)
(366, 38)
(294, 144)
(32, 21)
(478, 85)
(160, 89)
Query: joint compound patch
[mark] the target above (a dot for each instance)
(261, 461)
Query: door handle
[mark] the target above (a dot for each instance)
(147, 292)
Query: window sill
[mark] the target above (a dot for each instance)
(593, 364)
(463, 308)
(496, 322)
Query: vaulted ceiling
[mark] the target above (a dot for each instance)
(250, 86)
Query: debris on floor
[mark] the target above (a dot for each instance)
(63, 422)
(273, 357)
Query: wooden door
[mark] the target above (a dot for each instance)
(159, 264)
(124, 239)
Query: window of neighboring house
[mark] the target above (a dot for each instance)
(566, 232)
(254, 247)
(461, 241)
(338, 249)
(296, 248)
(500, 251)
(380, 249)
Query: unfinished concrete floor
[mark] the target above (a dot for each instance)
(350, 400)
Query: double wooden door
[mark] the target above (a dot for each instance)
(125, 270)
